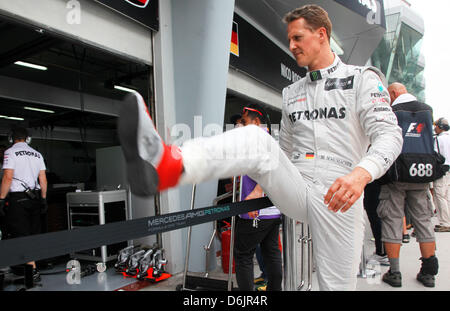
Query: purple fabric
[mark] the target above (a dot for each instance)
(248, 185)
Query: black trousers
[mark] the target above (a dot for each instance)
(371, 201)
(246, 240)
(23, 216)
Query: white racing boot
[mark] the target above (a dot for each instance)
(152, 166)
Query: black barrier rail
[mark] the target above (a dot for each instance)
(47, 245)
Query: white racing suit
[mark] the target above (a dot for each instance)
(329, 119)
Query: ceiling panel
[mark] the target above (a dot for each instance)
(70, 66)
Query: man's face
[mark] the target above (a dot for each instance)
(304, 43)
(437, 130)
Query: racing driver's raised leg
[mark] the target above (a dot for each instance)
(153, 166)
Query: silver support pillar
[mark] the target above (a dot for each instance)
(366, 271)
(191, 62)
(310, 260)
(188, 242)
(208, 249)
(291, 255)
(302, 240)
(233, 225)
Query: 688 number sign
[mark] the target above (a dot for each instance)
(421, 170)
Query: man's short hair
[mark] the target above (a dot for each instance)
(257, 111)
(442, 124)
(254, 111)
(19, 133)
(314, 15)
(235, 118)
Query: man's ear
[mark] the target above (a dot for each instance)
(322, 32)
(395, 92)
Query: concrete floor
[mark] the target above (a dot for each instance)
(111, 281)
(409, 266)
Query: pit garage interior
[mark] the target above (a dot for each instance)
(67, 94)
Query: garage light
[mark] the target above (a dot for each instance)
(125, 89)
(30, 65)
(39, 109)
(11, 118)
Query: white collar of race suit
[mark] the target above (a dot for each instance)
(21, 143)
(320, 74)
(404, 98)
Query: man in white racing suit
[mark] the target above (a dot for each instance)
(329, 119)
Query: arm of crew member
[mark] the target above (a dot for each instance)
(43, 183)
(6, 182)
(256, 193)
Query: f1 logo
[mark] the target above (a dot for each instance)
(414, 127)
(139, 3)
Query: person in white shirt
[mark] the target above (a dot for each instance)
(415, 119)
(24, 182)
(2, 213)
(441, 186)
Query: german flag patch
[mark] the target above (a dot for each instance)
(235, 40)
(309, 155)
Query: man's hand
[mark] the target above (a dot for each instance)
(346, 190)
(255, 194)
(2, 207)
(253, 214)
(44, 206)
